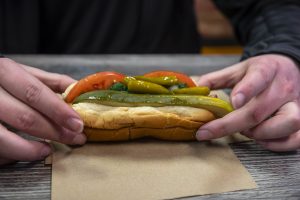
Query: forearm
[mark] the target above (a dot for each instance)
(265, 26)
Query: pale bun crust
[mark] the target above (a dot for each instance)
(107, 123)
(172, 134)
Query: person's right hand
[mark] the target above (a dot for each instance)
(29, 104)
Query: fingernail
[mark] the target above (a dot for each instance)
(204, 135)
(46, 150)
(79, 139)
(238, 100)
(75, 125)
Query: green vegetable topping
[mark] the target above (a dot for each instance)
(200, 90)
(121, 98)
(118, 87)
(138, 86)
(163, 80)
(182, 85)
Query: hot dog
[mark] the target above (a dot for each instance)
(162, 104)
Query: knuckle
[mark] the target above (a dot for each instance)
(56, 85)
(265, 60)
(294, 122)
(288, 88)
(265, 67)
(229, 82)
(25, 121)
(59, 83)
(248, 88)
(32, 93)
(256, 116)
(266, 75)
(58, 77)
(207, 81)
(4, 63)
(63, 76)
(262, 70)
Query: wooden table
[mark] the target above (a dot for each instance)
(277, 174)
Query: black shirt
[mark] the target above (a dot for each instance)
(142, 26)
(265, 26)
(98, 26)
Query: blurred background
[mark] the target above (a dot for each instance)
(112, 27)
(215, 29)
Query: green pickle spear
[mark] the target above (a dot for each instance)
(138, 86)
(118, 98)
(200, 90)
(163, 80)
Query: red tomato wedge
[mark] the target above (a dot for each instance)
(181, 77)
(98, 81)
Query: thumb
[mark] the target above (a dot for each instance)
(225, 78)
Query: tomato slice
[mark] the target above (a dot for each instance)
(98, 81)
(180, 76)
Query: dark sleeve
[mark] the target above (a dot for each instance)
(265, 26)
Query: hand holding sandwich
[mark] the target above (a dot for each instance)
(266, 98)
(29, 103)
(265, 95)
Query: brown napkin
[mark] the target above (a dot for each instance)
(146, 170)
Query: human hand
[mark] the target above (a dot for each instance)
(266, 98)
(29, 103)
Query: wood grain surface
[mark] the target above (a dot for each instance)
(277, 174)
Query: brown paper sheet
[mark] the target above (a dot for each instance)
(147, 170)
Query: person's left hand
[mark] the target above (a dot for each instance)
(265, 95)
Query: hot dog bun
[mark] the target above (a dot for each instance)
(107, 123)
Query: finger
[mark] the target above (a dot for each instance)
(13, 147)
(290, 143)
(248, 116)
(31, 91)
(257, 78)
(57, 82)
(225, 78)
(26, 119)
(285, 122)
